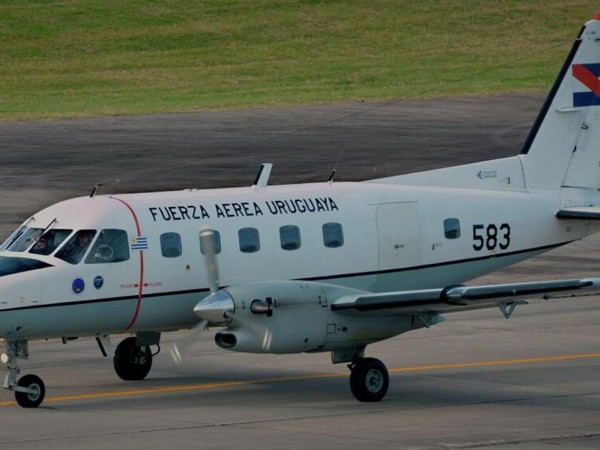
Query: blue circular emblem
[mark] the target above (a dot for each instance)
(78, 285)
(98, 282)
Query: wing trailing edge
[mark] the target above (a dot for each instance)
(462, 298)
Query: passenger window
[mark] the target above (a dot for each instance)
(290, 237)
(49, 242)
(170, 245)
(216, 243)
(333, 235)
(73, 251)
(249, 240)
(452, 228)
(110, 247)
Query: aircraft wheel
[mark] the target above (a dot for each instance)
(30, 399)
(132, 362)
(369, 380)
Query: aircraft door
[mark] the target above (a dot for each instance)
(399, 235)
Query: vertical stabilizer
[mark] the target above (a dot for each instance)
(563, 147)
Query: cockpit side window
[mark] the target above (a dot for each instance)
(73, 251)
(25, 239)
(111, 246)
(49, 242)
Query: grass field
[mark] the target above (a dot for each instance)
(102, 57)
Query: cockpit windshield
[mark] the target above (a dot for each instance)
(15, 235)
(73, 251)
(23, 239)
(110, 246)
(49, 242)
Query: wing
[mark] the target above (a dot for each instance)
(580, 212)
(462, 298)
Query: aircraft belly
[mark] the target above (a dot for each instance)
(94, 317)
(168, 312)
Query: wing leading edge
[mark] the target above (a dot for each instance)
(463, 298)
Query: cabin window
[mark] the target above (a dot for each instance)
(452, 228)
(249, 240)
(290, 237)
(170, 245)
(216, 241)
(110, 247)
(49, 242)
(333, 235)
(73, 251)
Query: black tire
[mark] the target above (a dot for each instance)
(369, 380)
(32, 400)
(132, 362)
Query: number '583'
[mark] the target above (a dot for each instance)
(491, 236)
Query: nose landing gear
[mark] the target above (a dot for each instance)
(29, 390)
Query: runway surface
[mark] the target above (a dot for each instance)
(474, 381)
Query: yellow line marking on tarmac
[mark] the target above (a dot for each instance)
(229, 384)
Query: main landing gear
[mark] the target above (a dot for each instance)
(132, 361)
(29, 390)
(369, 379)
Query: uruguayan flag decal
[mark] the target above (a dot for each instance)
(139, 243)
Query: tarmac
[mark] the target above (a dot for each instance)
(474, 381)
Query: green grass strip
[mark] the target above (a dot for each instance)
(101, 57)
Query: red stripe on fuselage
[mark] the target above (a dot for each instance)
(141, 289)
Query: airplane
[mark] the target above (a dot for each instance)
(321, 267)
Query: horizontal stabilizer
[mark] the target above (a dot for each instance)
(580, 212)
(462, 298)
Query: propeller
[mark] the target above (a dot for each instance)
(180, 348)
(218, 307)
(207, 244)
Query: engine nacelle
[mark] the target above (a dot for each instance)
(295, 317)
(276, 317)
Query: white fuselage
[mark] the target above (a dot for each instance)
(395, 237)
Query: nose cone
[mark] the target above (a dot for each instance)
(216, 308)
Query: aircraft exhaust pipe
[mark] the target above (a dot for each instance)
(226, 340)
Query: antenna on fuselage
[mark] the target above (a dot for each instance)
(336, 165)
(262, 178)
(95, 189)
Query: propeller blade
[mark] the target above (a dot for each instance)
(260, 331)
(207, 244)
(180, 348)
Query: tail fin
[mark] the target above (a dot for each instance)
(563, 147)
